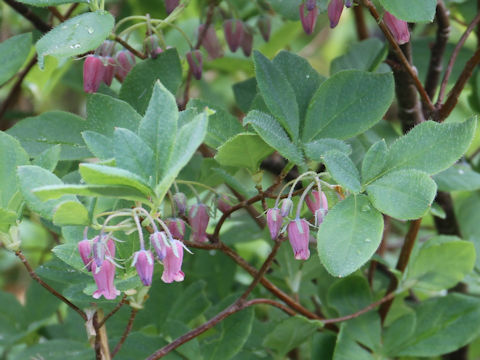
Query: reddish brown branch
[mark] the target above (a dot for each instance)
(56, 13)
(360, 24)
(115, 309)
(29, 15)
(51, 290)
(125, 334)
(129, 48)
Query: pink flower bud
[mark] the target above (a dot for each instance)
(247, 43)
(143, 262)
(311, 4)
(224, 204)
(85, 250)
(125, 61)
(176, 226)
(159, 242)
(274, 222)
(264, 25)
(109, 70)
(210, 42)
(298, 235)
(335, 9)
(172, 264)
(309, 19)
(318, 205)
(102, 250)
(106, 48)
(170, 5)
(399, 28)
(93, 72)
(286, 208)
(195, 60)
(151, 46)
(180, 202)
(104, 276)
(198, 219)
(233, 33)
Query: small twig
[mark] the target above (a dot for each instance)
(56, 13)
(438, 50)
(115, 309)
(54, 292)
(360, 24)
(256, 216)
(97, 344)
(70, 10)
(129, 48)
(29, 15)
(401, 263)
(126, 332)
(453, 58)
(398, 51)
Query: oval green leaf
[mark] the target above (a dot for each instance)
(13, 53)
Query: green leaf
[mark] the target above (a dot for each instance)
(444, 324)
(441, 263)
(189, 137)
(278, 94)
(273, 134)
(7, 218)
(13, 156)
(404, 194)
(303, 79)
(399, 331)
(343, 170)
(374, 160)
(44, 3)
(70, 213)
(115, 191)
(13, 53)
(107, 175)
(347, 104)
(105, 113)
(365, 55)
(347, 348)
(100, 145)
(192, 303)
(158, 127)
(289, 9)
(49, 158)
(31, 177)
(56, 349)
(245, 92)
(411, 10)
(75, 36)
(39, 133)
(138, 85)
(243, 150)
(349, 235)
(315, 150)
(133, 154)
(221, 125)
(290, 333)
(431, 147)
(459, 177)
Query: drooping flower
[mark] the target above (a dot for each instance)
(102, 249)
(335, 8)
(298, 235)
(176, 226)
(399, 28)
(274, 222)
(264, 25)
(195, 61)
(104, 276)
(143, 262)
(286, 208)
(125, 61)
(159, 242)
(233, 33)
(308, 19)
(85, 250)
(93, 73)
(109, 64)
(247, 43)
(180, 202)
(318, 204)
(172, 263)
(311, 4)
(210, 41)
(151, 46)
(198, 220)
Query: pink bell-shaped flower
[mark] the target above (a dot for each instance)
(195, 61)
(318, 204)
(198, 219)
(172, 264)
(210, 41)
(309, 19)
(233, 33)
(158, 240)
(93, 73)
(247, 43)
(298, 235)
(85, 250)
(176, 226)
(335, 8)
(125, 61)
(274, 222)
(109, 64)
(143, 262)
(104, 276)
(286, 208)
(399, 28)
(170, 5)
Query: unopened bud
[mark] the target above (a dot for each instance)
(85, 250)
(151, 46)
(233, 33)
(398, 28)
(247, 43)
(198, 219)
(180, 202)
(210, 41)
(286, 208)
(195, 60)
(109, 64)
(309, 19)
(143, 262)
(265, 26)
(335, 9)
(176, 226)
(125, 61)
(274, 222)
(93, 73)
